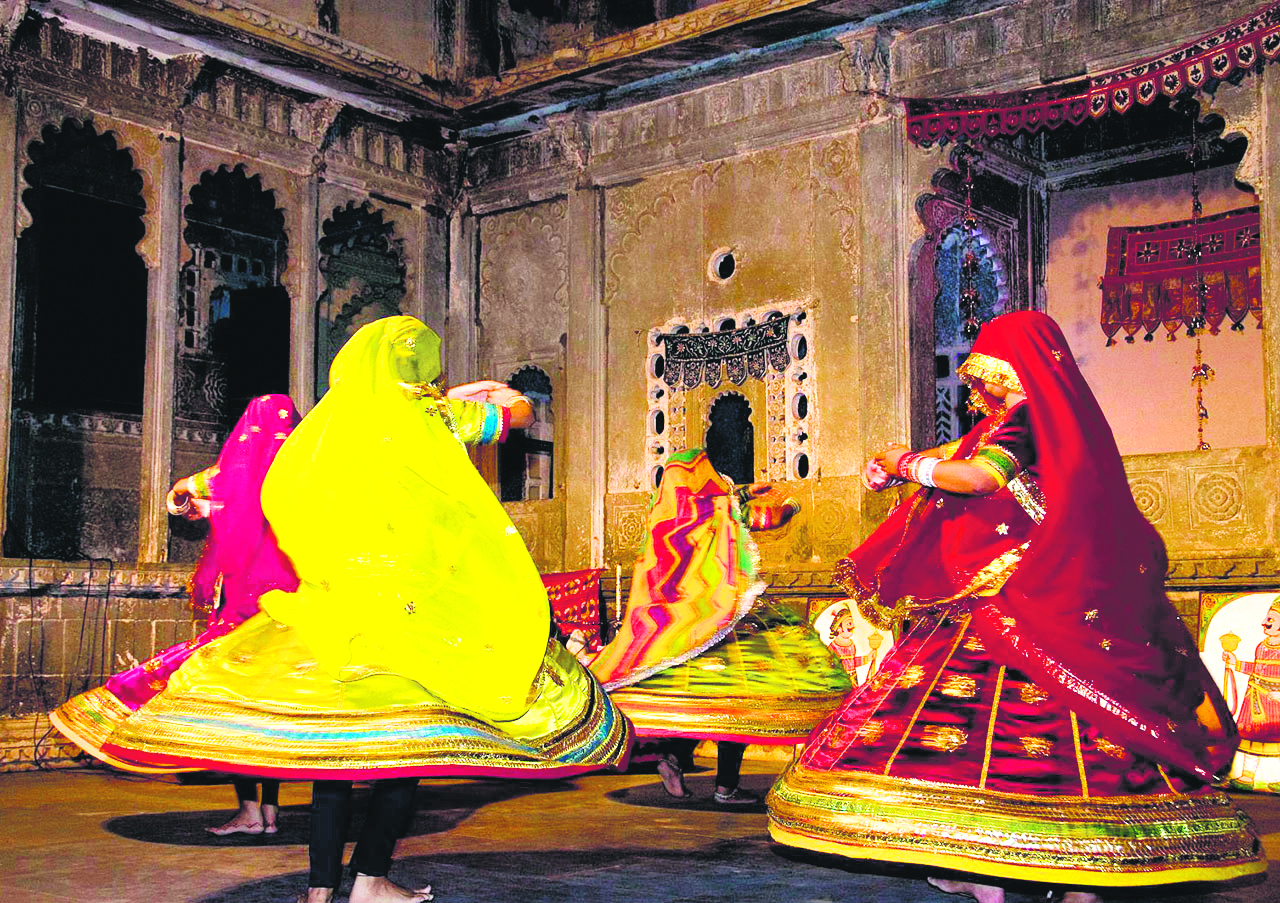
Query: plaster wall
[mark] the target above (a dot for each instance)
(1145, 388)
(523, 316)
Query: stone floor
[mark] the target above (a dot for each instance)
(94, 835)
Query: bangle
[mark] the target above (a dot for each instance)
(178, 510)
(519, 398)
(906, 466)
(924, 472)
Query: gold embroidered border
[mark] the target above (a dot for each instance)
(1103, 841)
(1027, 493)
(990, 370)
(991, 727)
(1075, 741)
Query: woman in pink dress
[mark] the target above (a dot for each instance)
(241, 561)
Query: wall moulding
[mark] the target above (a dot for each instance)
(1214, 504)
(783, 106)
(20, 578)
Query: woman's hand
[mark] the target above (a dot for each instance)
(481, 390)
(182, 501)
(874, 477)
(1231, 660)
(889, 458)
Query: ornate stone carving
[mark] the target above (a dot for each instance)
(12, 12)
(1241, 111)
(1151, 493)
(1217, 496)
(522, 251)
(865, 64)
(625, 526)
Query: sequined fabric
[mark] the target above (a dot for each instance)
(947, 758)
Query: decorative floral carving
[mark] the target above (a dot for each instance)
(1217, 497)
(1151, 496)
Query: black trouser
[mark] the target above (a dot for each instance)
(729, 763)
(390, 807)
(247, 790)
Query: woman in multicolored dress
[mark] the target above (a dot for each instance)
(416, 642)
(700, 655)
(240, 562)
(1044, 715)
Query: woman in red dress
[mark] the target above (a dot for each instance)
(1044, 715)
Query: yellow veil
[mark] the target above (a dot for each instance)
(408, 563)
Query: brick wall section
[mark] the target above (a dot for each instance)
(65, 628)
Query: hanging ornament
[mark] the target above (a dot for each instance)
(970, 298)
(1201, 373)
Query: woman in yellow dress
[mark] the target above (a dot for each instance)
(416, 643)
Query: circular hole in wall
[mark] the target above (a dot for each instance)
(799, 347)
(800, 466)
(722, 265)
(657, 422)
(657, 366)
(655, 476)
(800, 406)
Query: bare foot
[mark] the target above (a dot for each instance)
(368, 889)
(269, 815)
(247, 821)
(984, 893)
(1079, 896)
(315, 895)
(673, 778)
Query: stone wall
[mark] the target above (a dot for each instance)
(65, 628)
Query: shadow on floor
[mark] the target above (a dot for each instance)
(440, 807)
(748, 870)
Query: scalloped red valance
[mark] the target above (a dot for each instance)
(1245, 44)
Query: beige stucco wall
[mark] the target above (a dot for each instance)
(1145, 388)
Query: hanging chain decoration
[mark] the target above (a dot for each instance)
(970, 299)
(1201, 373)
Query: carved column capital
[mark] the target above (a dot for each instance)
(572, 130)
(864, 67)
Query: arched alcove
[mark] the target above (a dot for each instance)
(364, 271)
(79, 350)
(730, 438)
(526, 460)
(233, 341)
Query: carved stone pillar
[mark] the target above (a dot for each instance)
(1269, 137)
(302, 327)
(8, 270)
(586, 455)
(881, 389)
(162, 324)
(461, 340)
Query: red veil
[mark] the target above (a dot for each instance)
(1086, 609)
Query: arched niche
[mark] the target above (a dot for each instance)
(526, 461)
(730, 437)
(362, 262)
(233, 312)
(79, 348)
